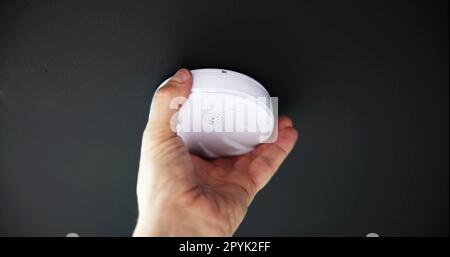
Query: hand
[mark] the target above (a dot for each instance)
(181, 194)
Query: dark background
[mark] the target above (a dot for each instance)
(366, 83)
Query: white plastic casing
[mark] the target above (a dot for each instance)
(226, 114)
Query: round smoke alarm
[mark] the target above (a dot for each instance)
(226, 114)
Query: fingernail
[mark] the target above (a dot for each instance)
(181, 76)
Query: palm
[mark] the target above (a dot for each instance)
(224, 191)
(226, 186)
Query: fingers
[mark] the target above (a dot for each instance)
(268, 157)
(287, 135)
(168, 98)
(284, 121)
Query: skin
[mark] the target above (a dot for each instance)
(181, 194)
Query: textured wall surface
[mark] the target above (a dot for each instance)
(367, 85)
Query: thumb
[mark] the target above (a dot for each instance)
(168, 98)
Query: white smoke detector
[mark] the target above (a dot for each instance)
(226, 114)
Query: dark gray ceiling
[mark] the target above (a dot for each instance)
(367, 85)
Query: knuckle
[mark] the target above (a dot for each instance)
(286, 120)
(166, 91)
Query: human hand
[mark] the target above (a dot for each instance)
(181, 194)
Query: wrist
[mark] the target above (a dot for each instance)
(145, 230)
(179, 224)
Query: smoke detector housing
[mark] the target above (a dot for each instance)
(226, 114)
